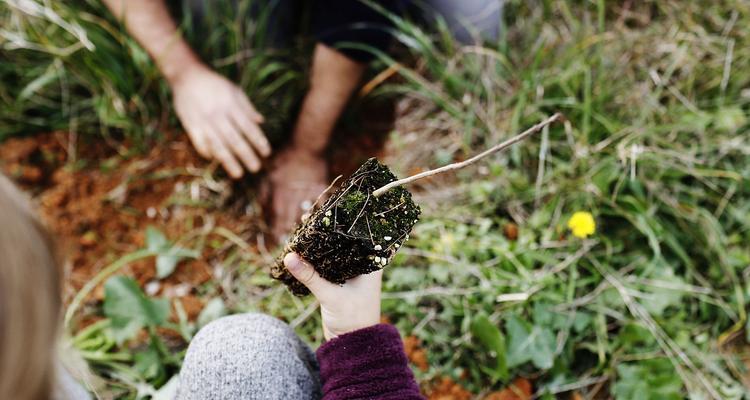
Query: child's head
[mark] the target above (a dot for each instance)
(29, 299)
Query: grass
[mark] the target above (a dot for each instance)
(653, 305)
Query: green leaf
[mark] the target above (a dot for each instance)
(50, 75)
(647, 380)
(663, 296)
(148, 364)
(633, 334)
(729, 119)
(129, 309)
(529, 343)
(493, 340)
(155, 239)
(167, 262)
(214, 310)
(168, 255)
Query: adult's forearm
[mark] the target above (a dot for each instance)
(150, 23)
(333, 79)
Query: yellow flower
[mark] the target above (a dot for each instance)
(582, 224)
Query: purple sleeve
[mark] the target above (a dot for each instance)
(368, 363)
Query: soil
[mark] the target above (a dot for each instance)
(353, 232)
(447, 389)
(99, 199)
(520, 389)
(416, 354)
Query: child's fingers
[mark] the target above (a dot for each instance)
(305, 273)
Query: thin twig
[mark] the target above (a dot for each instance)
(450, 167)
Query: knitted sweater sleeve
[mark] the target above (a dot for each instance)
(369, 363)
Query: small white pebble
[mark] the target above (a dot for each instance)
(378, 247)
(396, 245)
(377, 259)
(328, 213)
(407, 237)
(195, 191)
(383, 261)
(370, 257)
(151, 212)
(326, 221)
(152, 288)
(387, 238)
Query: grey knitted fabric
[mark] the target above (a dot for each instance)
(248, 356)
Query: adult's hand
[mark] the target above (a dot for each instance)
(344, 308)
(220, 120)
(296, 180)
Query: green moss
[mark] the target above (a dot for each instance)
(352, 202)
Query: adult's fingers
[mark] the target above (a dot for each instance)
(251, 111)
(251, 131)
(199, 138)
(305, 273)
(237, 145)
(220, 152)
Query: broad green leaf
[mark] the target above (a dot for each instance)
(666, 293)
(168, 255)
(653, 379)
(129, 309)
(632, 335)
(529, 343)
(581, 321)
(546, 317)
(148, 364)
(215, 309)
(155, 239)
(167, 262)
(493, 340)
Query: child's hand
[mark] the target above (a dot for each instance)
(344, 308)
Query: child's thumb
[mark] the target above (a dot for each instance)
(305, 273)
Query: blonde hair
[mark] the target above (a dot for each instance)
(29, 299)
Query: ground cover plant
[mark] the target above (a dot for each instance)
(606, 258)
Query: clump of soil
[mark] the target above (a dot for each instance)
(520, 389)
(416, 354)
(447, 389)
(353, 232)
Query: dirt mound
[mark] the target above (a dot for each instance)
(99, 199)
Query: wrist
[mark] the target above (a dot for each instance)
(301, 149)
(329, 334)
(176, 72)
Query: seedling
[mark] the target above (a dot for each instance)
(362, 225)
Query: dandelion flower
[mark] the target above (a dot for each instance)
(582, 224)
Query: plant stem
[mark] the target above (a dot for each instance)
(450, 167)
